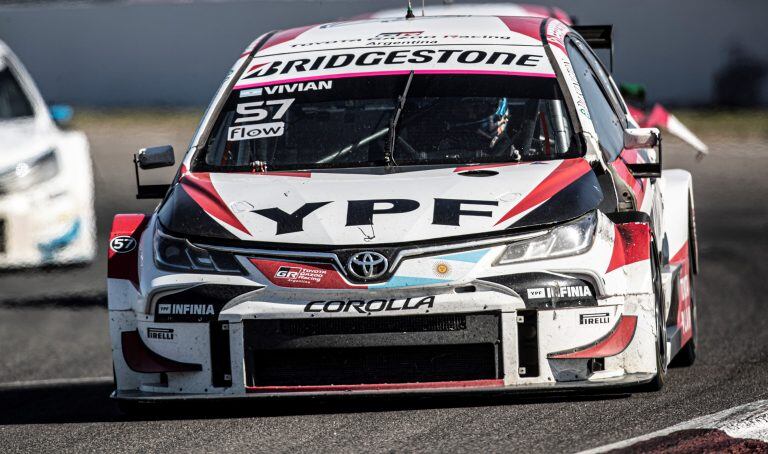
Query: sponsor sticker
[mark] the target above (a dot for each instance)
(277, 70)
(370, 306)
(258, 131)
(573, 291)
(251, 93)
(160, 333)
(300, 275)
(257, 111)
(600, 318)
(185, 309)
(281, 89)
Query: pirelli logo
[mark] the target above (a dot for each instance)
(160, 333)
(594, 319)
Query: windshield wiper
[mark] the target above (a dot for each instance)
(395, 118)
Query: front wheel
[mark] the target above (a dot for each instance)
(687, 355)
(661, 333)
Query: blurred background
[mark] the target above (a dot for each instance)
(139, 73)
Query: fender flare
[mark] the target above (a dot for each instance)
(679, 224)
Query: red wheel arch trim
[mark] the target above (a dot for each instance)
(141, 359)
(631, 244)
(125, 265)
(613, 343)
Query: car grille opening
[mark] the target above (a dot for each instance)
(368, 350)
(411, 324)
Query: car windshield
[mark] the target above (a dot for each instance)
(446, 119)
(13, 101)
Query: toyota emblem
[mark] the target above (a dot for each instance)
(367, 265)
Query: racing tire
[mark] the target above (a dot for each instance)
(687, 355)
(657, 383)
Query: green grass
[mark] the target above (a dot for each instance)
(747, 123)
(170, 118)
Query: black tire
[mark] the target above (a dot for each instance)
(687, 355)
(145, 410)
(657, 383)
(131, 407)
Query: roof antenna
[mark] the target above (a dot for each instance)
(409, 11)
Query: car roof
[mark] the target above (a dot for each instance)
(479, 9)
(517, 30)
(487, 45)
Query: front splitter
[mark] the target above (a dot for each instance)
(607, 384)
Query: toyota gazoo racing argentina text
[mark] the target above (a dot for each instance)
(476, 213)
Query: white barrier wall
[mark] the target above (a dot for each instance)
(164, 53)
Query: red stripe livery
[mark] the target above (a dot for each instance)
(302, 275)
(200, 188)
(612, 344)
(125, 265)
(566, 173)
(631, 244)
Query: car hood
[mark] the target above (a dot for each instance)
(351, 207)
(21, 140)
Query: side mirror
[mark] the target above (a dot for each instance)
(640, 138)
(152, 158)
(155, 157)
(635, 138)
(61, 114)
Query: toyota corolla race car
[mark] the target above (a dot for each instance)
(430, 204)
(46, 184)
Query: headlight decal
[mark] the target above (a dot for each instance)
(177, 254)
(201, 189)
(569, 239)
(568, 172)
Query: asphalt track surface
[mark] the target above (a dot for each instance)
(53, 325)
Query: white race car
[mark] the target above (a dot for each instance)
(46, 182)
(407, 205)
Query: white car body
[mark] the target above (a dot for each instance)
(299, 245)
(46, 214)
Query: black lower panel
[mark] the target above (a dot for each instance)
(369, 350)
(348, 366)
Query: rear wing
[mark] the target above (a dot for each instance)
(598, 37)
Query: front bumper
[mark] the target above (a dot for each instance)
(254, 348)
(575, 322)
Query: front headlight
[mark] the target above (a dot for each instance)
(177, 254)
(569, 239)
(28, 173)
